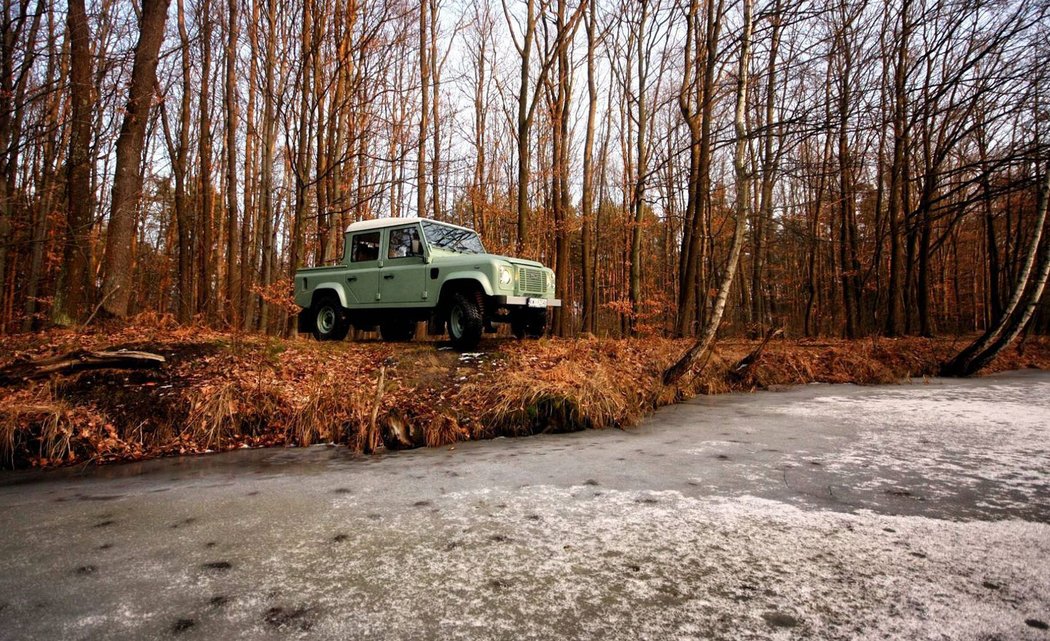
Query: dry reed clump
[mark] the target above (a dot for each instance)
(444, 430)
(831, 365)
(244, 409)
(568, 386)
(862, 362)
(39, 428)
(214, 415)
(328, 410)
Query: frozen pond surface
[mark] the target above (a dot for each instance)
(918, 511)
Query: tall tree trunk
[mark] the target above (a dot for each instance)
(424, 110)
(435, 105)
(183, 208)
(741, 206)
(45, 186)
(74, 292)
(302, 151)
(994, 297)
(524, 125)
(12, 112)
(127, 181)
(764, 216)
(479, 190)
(848, 262)
(896, 195)
(10, 32)
(587, 200)
(205, 211)
(560, 174)
(233, 275)
(641, 169)
(248, 264)
(268, 212)
(692, 297)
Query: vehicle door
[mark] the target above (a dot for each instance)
(362, 276)
(403, 273)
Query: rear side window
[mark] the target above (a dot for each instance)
(364, 247)
(404, 243)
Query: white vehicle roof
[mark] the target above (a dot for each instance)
(379, 223)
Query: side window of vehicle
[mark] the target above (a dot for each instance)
(404, 243)
(364, 247)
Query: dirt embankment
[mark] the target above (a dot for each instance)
(220, 391)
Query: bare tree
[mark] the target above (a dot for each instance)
(127, 183)
(696, 101)
(233, 249)
(75, 288)
(743, 199)
(587, 212)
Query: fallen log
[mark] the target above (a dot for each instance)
(76, 361)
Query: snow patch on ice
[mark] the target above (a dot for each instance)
(547, 562)
(964, 439)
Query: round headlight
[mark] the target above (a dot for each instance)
(505, 277)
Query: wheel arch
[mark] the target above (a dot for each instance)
(325, 289)
(469, 283)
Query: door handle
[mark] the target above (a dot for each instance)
(388, 276)
(351, 279)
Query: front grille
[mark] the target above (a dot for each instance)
(533, 280)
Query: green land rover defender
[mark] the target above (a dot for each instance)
(398, 272)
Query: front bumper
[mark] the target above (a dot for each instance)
(524, 301)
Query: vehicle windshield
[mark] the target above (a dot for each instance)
(463, 241)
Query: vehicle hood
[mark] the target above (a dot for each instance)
(519, 262)
(453, 259)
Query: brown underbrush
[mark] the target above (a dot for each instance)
(220, 391)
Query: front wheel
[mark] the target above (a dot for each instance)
(331, 322)
(466, 321)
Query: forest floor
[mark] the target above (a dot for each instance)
(221, 391)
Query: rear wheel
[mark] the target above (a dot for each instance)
(331, 322)
(398, 330)
(466, 321)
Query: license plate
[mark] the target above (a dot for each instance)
(537, 302)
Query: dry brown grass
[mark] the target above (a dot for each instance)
(328, 411)
(223, 391)
(36, 422)
(213, 418)
(445, 430)
(557, 386)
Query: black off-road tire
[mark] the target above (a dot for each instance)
(330, 320)
(397, 330)
(529, 323)
(466, 321)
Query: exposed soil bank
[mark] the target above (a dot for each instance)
(221, 391)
